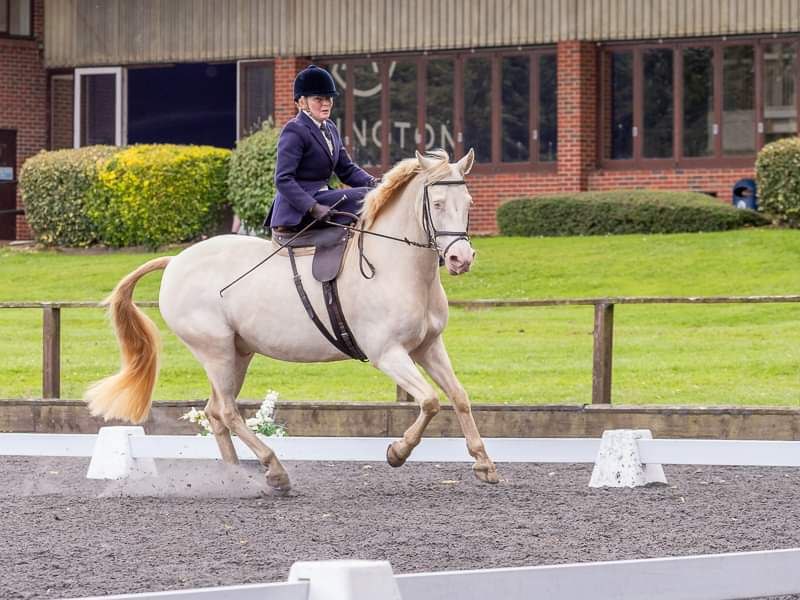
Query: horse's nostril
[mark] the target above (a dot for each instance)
(452, 258)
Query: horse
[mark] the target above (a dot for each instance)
(397, 316)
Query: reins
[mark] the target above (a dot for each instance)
(427, 224)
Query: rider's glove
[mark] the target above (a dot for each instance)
(320, 212)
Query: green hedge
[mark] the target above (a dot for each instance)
(159, 194)
(55, 187)
(624, 211)
(251, 181)
(778, 177)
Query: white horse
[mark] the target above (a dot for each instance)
(397, 317)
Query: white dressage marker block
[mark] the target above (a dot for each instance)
(618, 463)
(112, 457)
(347, 579)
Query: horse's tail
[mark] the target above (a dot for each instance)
(128, 394)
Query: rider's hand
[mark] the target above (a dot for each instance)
(320, 212)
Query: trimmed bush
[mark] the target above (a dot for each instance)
(623, 211)
(160, 194)
(251, 181)
(55, 187)
(778, 177)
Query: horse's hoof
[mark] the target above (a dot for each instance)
(486, 473)
(392, 457)
(279, 482)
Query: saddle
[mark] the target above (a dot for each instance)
(328, 246)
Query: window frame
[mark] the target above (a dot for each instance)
(241, 100)
(17, 36)
(459, 57)
(120, 102)
(678, 160)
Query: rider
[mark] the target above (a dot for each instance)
(310, 149)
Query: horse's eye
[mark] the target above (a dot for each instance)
(437, 205)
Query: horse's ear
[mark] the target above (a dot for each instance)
(465, 164)
(425, 162)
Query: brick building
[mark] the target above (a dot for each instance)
(554, 95)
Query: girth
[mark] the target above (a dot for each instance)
(341, 337)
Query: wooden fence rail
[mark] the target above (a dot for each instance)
(603, 330)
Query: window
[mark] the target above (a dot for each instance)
(780, 91)
(99, 103)
(621, 101)
(658, 95)
(97, 109)
(403, 130)
(440, 123)
(692, 103)
(698, 101)
(478, 107)
(16, 17)
(515, 107)
(547, 132)
(502, 104)
(256, 95)
(339, 113)
(738, 100)
(366, 95)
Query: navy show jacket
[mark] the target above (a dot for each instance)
(305, 165)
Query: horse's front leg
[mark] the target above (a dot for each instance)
(435, 360)
(397, 364)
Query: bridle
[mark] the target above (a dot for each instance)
(430, 227)
(427, 225)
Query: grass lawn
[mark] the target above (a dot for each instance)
(663, 354)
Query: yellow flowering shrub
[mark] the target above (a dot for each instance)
(154, 194)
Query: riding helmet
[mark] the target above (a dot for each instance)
(314, 81)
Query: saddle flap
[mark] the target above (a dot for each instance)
(328, 258)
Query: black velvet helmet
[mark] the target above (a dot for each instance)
(314, 81)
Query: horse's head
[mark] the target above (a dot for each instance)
(445, 210)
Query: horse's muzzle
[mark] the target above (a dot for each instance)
(460, 257)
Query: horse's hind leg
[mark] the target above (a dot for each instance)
(436, 362)
(214, 410)
(226, 375)
(397, 364)
(222, 434)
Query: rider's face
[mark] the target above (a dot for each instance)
(319, 106)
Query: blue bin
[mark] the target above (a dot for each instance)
(744, 194)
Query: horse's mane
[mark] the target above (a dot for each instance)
(396, 179)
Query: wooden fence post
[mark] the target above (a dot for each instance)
(603, 345)
(51, 351)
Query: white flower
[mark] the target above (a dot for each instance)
(191, 415)
(262, 423)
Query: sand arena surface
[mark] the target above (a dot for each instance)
(203, 524)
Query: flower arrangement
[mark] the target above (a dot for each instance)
(262, 423)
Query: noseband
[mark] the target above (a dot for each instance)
(430, 228)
